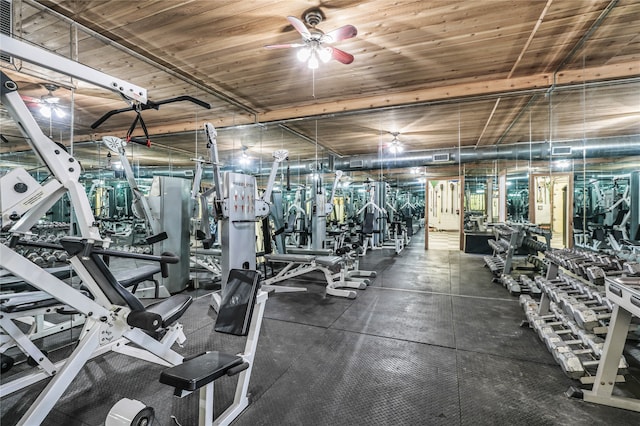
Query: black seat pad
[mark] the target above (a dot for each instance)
(199, 371)
(171, 309)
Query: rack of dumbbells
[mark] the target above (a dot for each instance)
(587, 265)
(42, 319)
(517, 239)
(573, 314)
(46, 232)
(624, 293)
(126, 234)
(506, 240)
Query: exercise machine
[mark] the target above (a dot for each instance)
(114, 316)
(240, 314)
(238, 208)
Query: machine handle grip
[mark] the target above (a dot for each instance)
(166, 258)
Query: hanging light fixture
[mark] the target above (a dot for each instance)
(49, 103)
(313, 54)
(244, 158)
(395, 147)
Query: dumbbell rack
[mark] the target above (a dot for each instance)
(511, 237)
(624, 292)
(507, 239)
(565, 320)
(571, 315)
(576, 351)
(584, 264)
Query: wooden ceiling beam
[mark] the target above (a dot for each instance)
(449, 92)
(458, 91)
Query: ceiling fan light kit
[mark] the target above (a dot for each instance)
(47, 110)
(395, 147)
(313, 50)
(49, 103)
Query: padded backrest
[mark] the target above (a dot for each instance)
(290, 226)
(99, 271)
(620, 217)
(115, 292)
(598, 234)
(367, 226)
(238, 299)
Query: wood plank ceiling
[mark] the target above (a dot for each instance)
(440, 74)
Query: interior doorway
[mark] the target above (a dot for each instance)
(551, 206)
(443, 213)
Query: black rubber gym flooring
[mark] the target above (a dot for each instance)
(431, 342)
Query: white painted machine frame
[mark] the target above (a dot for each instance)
(301, 264)
(624, 292)
(106, 326)
(241, 398)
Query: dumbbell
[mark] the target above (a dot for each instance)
(530, 284)
(570, 364)
(559, 293)
(595, 274)
(510, 284)
(554, 319)
(548, 333)
(587, 297)
(48, 257)
(527, 303)
(539, 322)
(61, 255)
(35, 258)
(567, 302)
(590, 318)
(592, 341)
(562, 351)
(632, 269)
(571, 303)
(596, 344)
(549, 285)
(555, 342)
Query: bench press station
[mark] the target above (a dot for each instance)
(300, 264)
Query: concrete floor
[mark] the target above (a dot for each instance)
(432, 341)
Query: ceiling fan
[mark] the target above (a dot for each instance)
(395, 146)
(48, 104)
(314, 46)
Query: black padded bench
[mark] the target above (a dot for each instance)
(133, 277)
(201, 370)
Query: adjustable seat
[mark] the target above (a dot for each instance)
(152, 318)
(236, 316)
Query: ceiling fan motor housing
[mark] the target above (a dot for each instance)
(313, 18)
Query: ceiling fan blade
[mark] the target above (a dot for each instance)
(340, 34)
(283, 46)
(341, 55)
(31, 99)
(299, 26)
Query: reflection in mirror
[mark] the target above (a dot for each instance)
(444, 212)
(518, 197)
